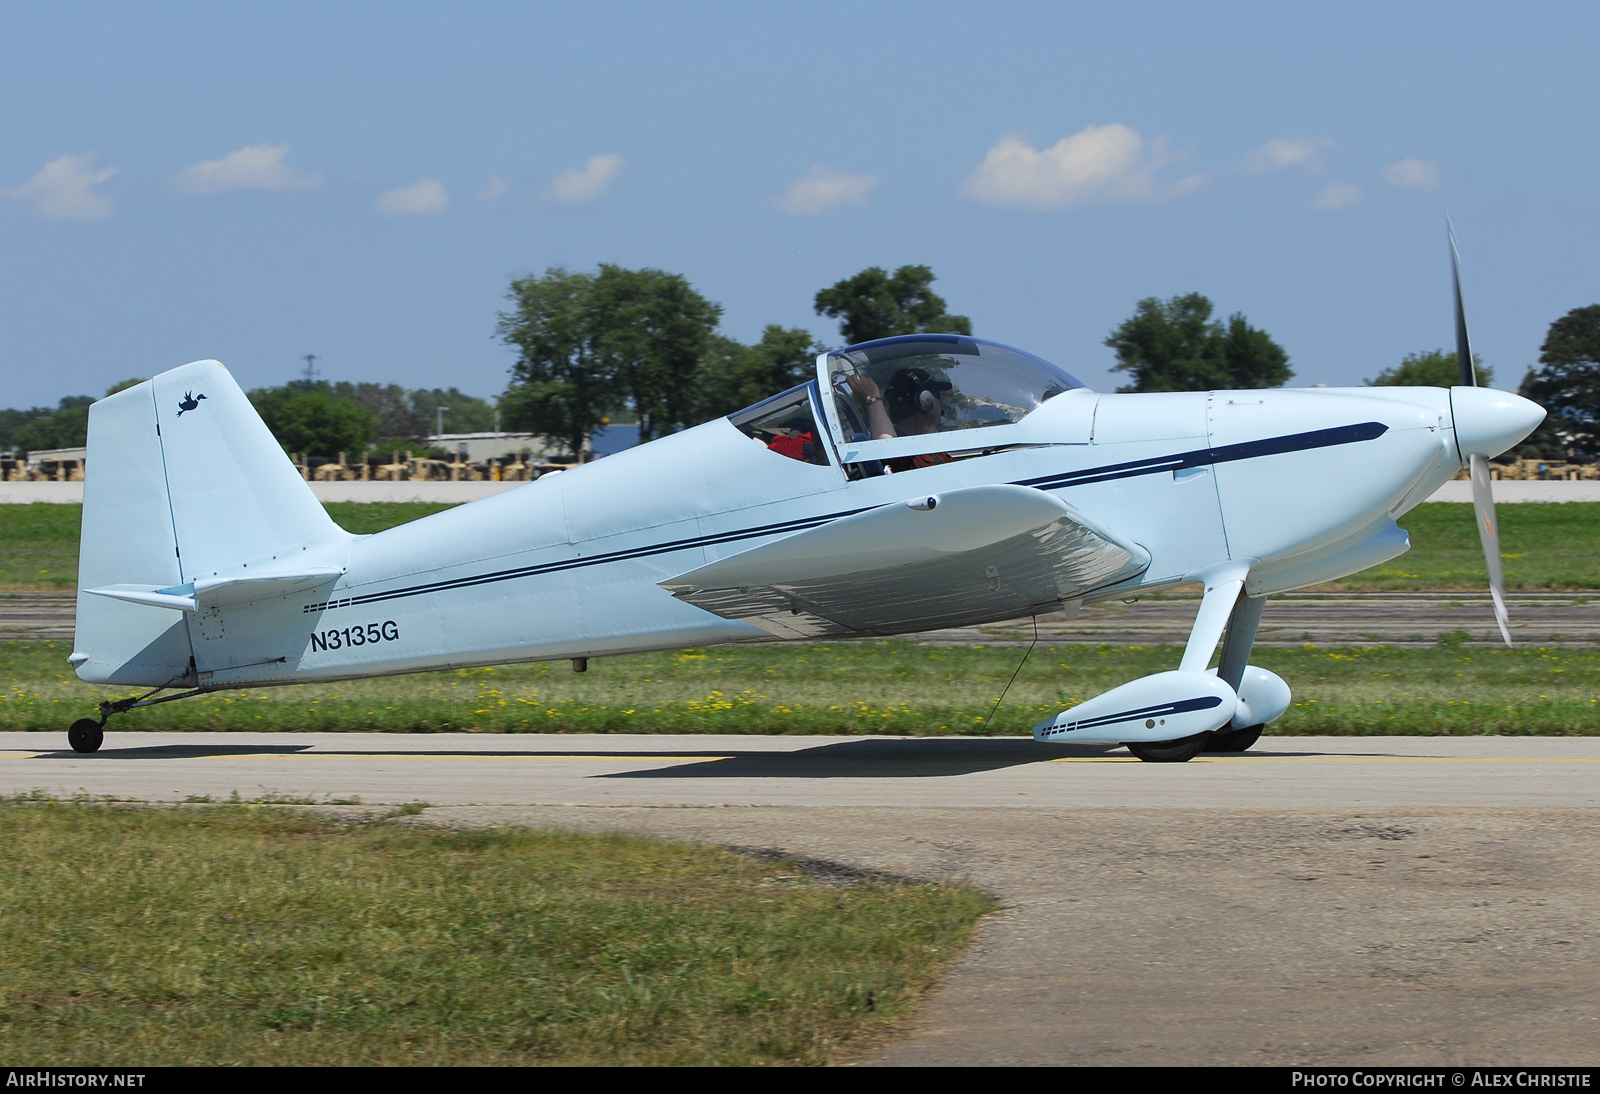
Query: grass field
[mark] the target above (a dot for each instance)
(883, 686)
(240, 936)
(1549, 546)
(39, 542)
(1543, 546)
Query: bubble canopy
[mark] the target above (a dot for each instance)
(978, 383)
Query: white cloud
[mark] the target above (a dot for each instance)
(64, 190)
(597, 175)
(1413, 173)
(1100, 163)
(258, 167)
(1337, 195)
(419, 199)
(497, 189)
(1277, 154)
(823, 188)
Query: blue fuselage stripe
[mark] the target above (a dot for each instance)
(1160, 710)
(1199, 457)
(1229, 453)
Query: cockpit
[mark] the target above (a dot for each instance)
(786, 424)
(975, 383)
(894, 389)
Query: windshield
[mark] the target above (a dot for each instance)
(925, 383)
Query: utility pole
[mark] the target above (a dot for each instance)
(311, 365)
(438, 420)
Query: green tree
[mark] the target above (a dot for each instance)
(67, 426)
(465, 413)
(733, 375)
(1567, 385)
(1174, 345)
(122, 385)
(873, 304)
(12, 421)
(591, 344)
(306, 417)
(1436, 368)
(559, 388)
(650, 332)
(389, 403)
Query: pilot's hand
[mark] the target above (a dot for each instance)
(863, 387)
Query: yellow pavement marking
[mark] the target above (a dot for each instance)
(1356, 760)
(1010, 761)
(467, 756)
(390, 756)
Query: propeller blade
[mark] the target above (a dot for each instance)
(1469, 374)
(1482, 489)
(1489, 533)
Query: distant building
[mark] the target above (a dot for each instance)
(42, 455)
(478, 447)
(608, 440)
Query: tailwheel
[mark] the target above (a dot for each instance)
(1169, 752)
(1235, 740)
(86, 735)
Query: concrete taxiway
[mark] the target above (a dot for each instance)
(808, 772)
(1316, 900)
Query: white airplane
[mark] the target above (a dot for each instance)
(917, 482)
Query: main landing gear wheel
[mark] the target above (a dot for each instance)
(1235, 740)
(1169, 752)
(86, 735)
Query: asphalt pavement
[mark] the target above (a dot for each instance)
(1313, 901)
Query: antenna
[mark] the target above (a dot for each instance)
(311, 365)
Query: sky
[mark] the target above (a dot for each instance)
(363, 181)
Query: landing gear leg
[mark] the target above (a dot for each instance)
(1236, 645)
(1218, 610)
(88, 734)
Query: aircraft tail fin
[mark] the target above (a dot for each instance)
(184, 484)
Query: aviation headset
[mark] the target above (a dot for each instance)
(912, 391)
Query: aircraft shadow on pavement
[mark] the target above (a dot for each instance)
(177, 752)
(928, 757)
(190, 752)
(873, 759)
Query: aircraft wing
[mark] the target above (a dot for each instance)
(961, 557)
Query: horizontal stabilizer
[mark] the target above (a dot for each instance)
(216, 592)
(973, 555)
(180, 597)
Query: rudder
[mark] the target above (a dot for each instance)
(126, 537)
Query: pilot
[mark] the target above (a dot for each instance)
(913, 405)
